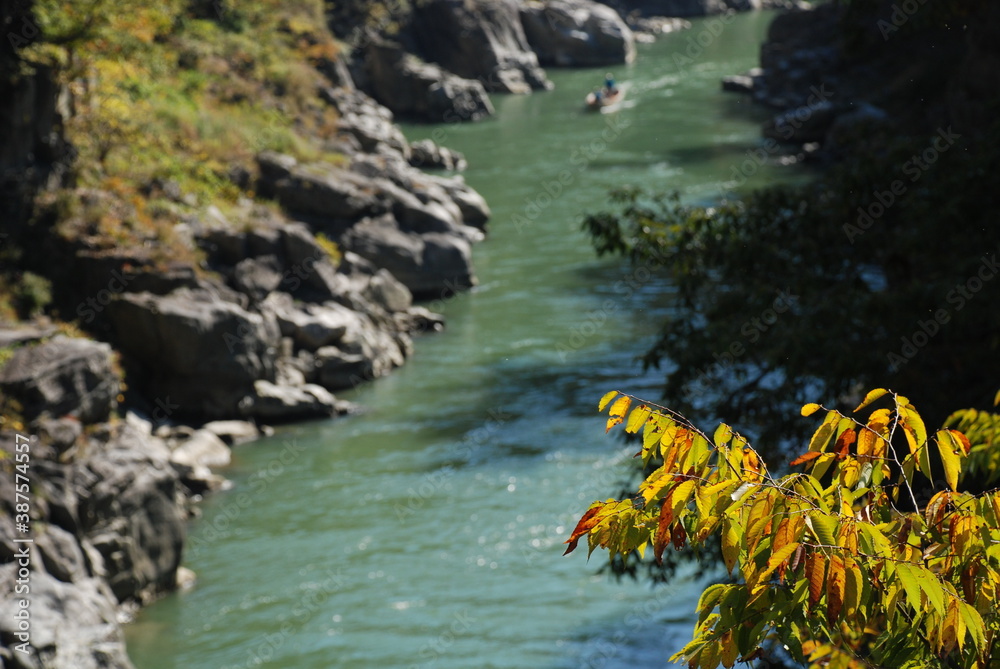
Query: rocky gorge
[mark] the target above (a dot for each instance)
(270, 323)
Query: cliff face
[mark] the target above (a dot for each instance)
(216, 304)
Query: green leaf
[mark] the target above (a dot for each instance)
(824, 527)
(911, 584)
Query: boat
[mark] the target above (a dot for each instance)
(597, 102)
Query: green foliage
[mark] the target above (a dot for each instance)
(330, 247)
(838, 563)
(181, 92)
(32, 294)
(795, 292)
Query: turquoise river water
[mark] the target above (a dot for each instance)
(428, 531)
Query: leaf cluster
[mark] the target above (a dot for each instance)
(839, 563)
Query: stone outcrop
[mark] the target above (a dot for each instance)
(576, 33)
(481, 40)
(411, 87)
(63, 377)
(418, 227)
(109, 527)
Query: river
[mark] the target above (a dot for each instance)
(428, 530)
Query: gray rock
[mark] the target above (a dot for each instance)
(471, 204)
(60, 552)
(429, 265)
(72, 625)
(128, 510)
(328, 192)
(257, 277)
(314, 325)
(201, 354)
(204, 449)
(411, 87)
(479, 40)
(63, 376)
(61, 433)
(233, 432)
(387, 292)
(577, 33)
(366, 121)
(284, 403)
(425, 154)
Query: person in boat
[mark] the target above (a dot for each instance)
(609, 85)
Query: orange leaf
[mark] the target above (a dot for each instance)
(586, 523)
(845, 441)
(666, 518)
(835, 585)
(805, 457)
(816, 575)
(679, 536)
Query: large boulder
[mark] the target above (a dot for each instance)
(198, 353)
(577, 33)
(61, 377)
(479, 39)
(411, 87)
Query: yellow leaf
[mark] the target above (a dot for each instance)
(637, 418)
(777, 557)
(607, 398)
(729, 650)
(810, 409)
(853, 587)
(821, 438)
(871, 397)
(730, 544)
(950, 458)
(618, 411)
(722, 434)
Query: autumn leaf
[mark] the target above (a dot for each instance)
(618, 411)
